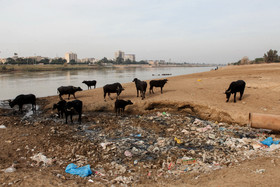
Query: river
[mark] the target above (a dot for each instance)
(45, 83)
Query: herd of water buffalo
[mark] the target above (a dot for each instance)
(75, 106)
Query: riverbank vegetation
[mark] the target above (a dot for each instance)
(270, 56)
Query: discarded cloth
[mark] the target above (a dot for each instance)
(269, 141)
(82, 171)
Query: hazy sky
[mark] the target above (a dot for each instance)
(210, 31)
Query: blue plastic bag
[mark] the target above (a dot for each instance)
(82, 171)
(269, 141)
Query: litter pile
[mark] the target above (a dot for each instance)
(135, 148)
(164, 143)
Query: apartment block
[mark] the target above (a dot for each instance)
(71, 56)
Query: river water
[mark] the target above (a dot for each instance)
(46, 83)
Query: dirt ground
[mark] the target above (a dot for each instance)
(200, 94)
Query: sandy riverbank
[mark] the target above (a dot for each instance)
(201, 94)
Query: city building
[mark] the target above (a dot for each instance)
(71, 56)
(119, 54)
(3, 60)
(130, 57)
(89, 60)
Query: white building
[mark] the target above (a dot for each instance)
(89, 60)
(71, 56)
(119, 54)
(130, 57)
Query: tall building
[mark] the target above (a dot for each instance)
(71, 56)
(130, 57)
(119, 54)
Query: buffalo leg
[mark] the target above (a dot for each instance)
(68, 96)
(71, 117)
(80, 118)
(161, 89)
(235, 97)
(241, 94)
(66, 116)
(104, 96)
(60, 97)
(74, 95)
(20, 108)
(137, 92)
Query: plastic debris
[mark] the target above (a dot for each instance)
(82, 171)
(90, 180)
(128, 153)
(208, 127)
(3, 127)
(260, 171)
(268, 141)
(42, 158)
(10, 169)
(178, 140)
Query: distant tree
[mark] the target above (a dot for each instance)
(72, 62)
(271, 56)
(21, 61)
(119, 60)
(58, 61)
(11, 61)
(142, 62)
(128, 61)
(259, 60)
(45, 61)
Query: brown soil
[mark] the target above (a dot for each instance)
(200, 94)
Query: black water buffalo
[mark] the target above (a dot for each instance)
(90, 83)
(237, 86)
(157, 83)
(120, 106)
(60, 106)
(71, 107)
(140, 86)
(20, 100)
(112, 88)
(64, 90)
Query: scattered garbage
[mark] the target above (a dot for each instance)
(82, 171)
(42, 158)
(268, 141)
(10, 169)
(3, 127)
(178, 140)
(155, 145)
(127, 153)
(260, 171)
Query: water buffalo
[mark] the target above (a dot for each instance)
(60, 106)
(120, 106)
(90, 83)
(64, 90)
(157, 83)
(112, 88)
(140, 86)
(20, 100)
(237, 86)
(71, 107)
